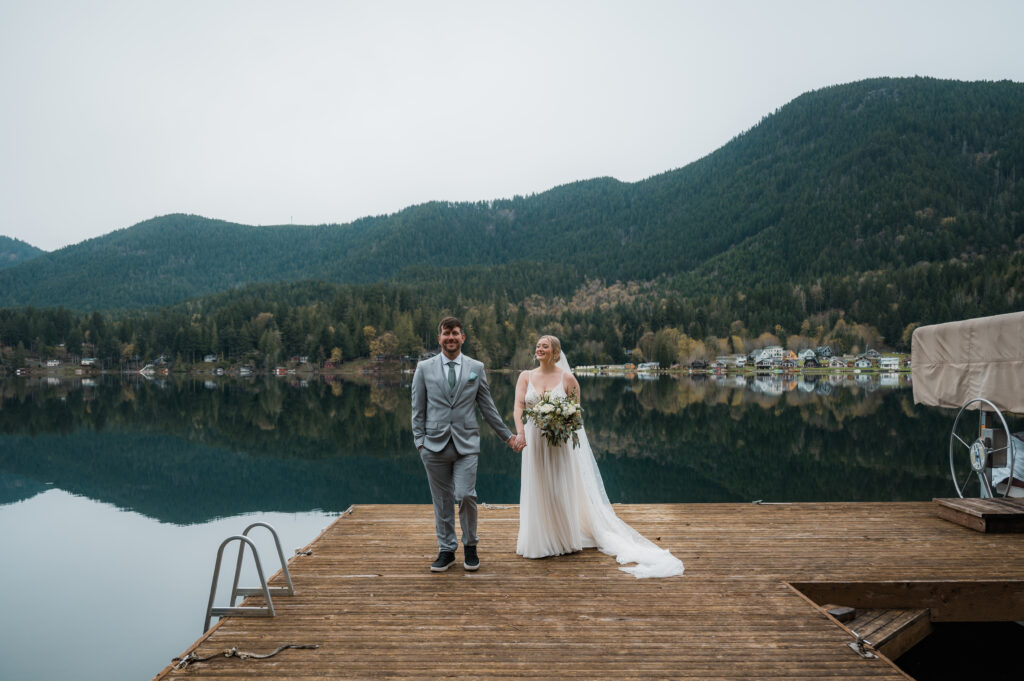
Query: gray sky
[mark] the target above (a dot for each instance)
(313, 112)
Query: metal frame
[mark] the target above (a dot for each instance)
(236, 591)
(981, 450)
(276, 590)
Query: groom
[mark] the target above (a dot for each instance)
(445, 390)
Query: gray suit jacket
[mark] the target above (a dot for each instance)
(439, 413)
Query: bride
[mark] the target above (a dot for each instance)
(563, 507)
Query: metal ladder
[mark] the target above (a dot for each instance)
(236, 591)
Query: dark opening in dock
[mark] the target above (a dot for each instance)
(964, 650)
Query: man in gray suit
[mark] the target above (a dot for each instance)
(445, 390)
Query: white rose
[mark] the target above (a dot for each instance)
(546, 408)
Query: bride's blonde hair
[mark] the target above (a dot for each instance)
(556, 346)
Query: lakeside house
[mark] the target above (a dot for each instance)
(771, 352)
(624, 368)
(889, 363)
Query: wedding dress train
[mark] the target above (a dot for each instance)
(563, 506)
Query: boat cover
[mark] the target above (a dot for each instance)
(955, 362)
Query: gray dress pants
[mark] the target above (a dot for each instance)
(452, 481)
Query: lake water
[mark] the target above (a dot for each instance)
(116, 493)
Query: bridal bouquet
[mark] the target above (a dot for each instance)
(558, 419)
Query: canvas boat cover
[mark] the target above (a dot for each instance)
(955, 362)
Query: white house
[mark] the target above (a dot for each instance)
(863, 363)
(807, 354)
(774, 353)
(51, 363)
(889, 363)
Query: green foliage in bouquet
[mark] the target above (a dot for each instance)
(558, 418)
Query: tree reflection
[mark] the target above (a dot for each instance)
(186, 450)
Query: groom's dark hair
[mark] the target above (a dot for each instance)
(450, 323)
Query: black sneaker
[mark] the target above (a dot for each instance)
(443, 562)
(470, 561)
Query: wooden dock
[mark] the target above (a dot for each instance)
(747, 607)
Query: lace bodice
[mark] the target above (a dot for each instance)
(533, 395)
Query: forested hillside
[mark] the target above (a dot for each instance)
(15, 251)
(850, 215)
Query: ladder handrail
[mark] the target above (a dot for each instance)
(267, 610)
(283, 591)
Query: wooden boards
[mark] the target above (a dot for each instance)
(366, 597)
(949, 600)
(891, 632)
(984, 515)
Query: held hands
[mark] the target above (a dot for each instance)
(517, 442)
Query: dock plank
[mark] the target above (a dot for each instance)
(984, 515)
(744, 609)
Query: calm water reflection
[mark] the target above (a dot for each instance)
(188, 451)
(115, 494)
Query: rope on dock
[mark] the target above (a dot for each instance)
(192, 658)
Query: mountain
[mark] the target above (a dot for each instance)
(882, 175)
(875, 175)
(15, 251)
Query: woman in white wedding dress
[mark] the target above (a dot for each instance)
(563, 507)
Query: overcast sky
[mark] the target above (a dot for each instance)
(113, 112)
